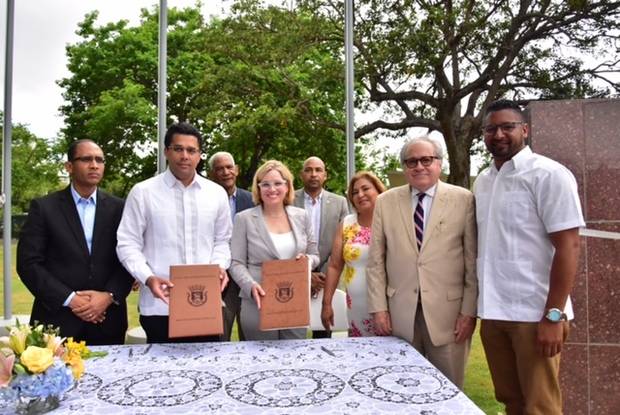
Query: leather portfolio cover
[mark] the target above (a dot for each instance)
(195, 301)
(286, 303)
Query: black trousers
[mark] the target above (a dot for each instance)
(156, 329)
(94, 336)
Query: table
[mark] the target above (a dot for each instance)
(355, 376)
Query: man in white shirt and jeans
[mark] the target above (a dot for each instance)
(176, 217)
(528, 215)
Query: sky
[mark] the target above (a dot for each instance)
(42, 30)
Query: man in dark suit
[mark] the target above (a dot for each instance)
(224, 171)
(66, 254)
(326, 211)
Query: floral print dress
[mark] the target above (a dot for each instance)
(356, 241)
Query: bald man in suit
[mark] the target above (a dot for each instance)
(422, 284)
(326, 211)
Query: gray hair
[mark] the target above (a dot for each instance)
(425, 138)
(217, 155)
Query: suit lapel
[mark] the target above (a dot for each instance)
(406, 213)
(69, 211)
(296, 231)
(437, 211)
(261, 226)
(325, 206)
(100, 221)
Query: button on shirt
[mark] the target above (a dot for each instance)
(86, 208)
(165, 223)
(313, 207)
(516, 208)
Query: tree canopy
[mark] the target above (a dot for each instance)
(268, 82)
(438, 64)
(36, 167)
(261, 84)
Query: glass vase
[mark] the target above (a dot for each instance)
(27, 405)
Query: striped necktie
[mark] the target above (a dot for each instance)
(418, 220)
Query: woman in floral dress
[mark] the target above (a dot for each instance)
(349, 256)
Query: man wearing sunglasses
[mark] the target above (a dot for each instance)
(421, 269)
(528, 213)
(66, 254)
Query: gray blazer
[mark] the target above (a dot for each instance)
(333, 210)
(251, 244)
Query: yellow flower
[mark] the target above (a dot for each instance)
(349, 273)
(75, 347)
(54, 343)
(17, 339)
(37, 359)
(74, 360)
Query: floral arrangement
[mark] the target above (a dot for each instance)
(36, 363)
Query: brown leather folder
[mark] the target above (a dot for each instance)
(195, 301)
(286, 303)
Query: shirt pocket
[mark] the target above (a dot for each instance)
(517, 208)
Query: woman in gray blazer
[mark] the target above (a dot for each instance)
(272, 230)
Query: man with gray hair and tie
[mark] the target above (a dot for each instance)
(421, 271)
(224, 171)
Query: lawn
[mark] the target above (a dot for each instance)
(478, 386)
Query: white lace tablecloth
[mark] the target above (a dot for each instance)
(327, 376)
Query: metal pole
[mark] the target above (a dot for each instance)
(349, 77)
(161, 85)
(6, 164)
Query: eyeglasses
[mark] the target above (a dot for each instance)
(269, 185)
(424, 161)
(192, 151)
(506, 127)
(90, 159)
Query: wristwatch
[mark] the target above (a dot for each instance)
(555, 315)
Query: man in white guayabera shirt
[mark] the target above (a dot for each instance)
(528, 215)
(176, 217)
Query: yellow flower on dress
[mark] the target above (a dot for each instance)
(37, 359)
(349, 274)
(350, 231)
(350, 253)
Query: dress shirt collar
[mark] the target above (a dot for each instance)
(309, 199)
(430, 192)
(170, 180)
(516, 162)
(76, 196)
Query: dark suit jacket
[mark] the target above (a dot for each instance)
(53, 260)
(244, 200)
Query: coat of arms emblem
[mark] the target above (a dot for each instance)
(196, 295)
(284, 292)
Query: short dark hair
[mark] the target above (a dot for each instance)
(74, 145)
(504, 104)
(182, 128)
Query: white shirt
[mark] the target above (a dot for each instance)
(313, 207)
(165, 223)
(284, 243)
(427, 202)
(516, 209)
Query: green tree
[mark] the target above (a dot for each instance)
(35, 167)
(262, 83)
(439, 64)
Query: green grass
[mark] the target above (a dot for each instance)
(478, 386)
